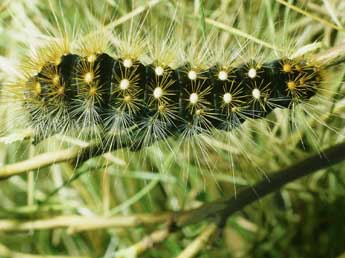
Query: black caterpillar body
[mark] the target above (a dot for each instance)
(122, 93)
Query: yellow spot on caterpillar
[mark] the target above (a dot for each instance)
(192, 75)
(61, 91)
(256, 93)
(227, 98)
(88, 77)
(222, 75)
(124, 84)
(287, 68)
(56, 79)
(298, 68)
(161, 108)
(199, 112)
(158, 92)
(252, 73)
(93, 91)
(91, 58)
(291, 85)
(193, 98)
(127, 63)
(127, 99)
(159, 71)
(37, 89)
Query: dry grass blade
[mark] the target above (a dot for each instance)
(314, 17)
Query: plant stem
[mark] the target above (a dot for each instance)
(220, 209)
(227, 207)
(199, 243)
(76, 223)
(147, 242)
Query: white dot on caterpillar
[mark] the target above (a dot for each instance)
(88, 77)
(227, 98)
(158, 92)
(256, 93)
(252, 73)
(127, 63)
(193, 98)
(222, 75)
(159, 70)
(124, 84)
(192, 75)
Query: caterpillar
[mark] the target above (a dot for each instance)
(118, 94)
(131, 91)
(229, 100)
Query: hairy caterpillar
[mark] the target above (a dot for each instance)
(222, 110)
(158, 101)
(131, 91)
